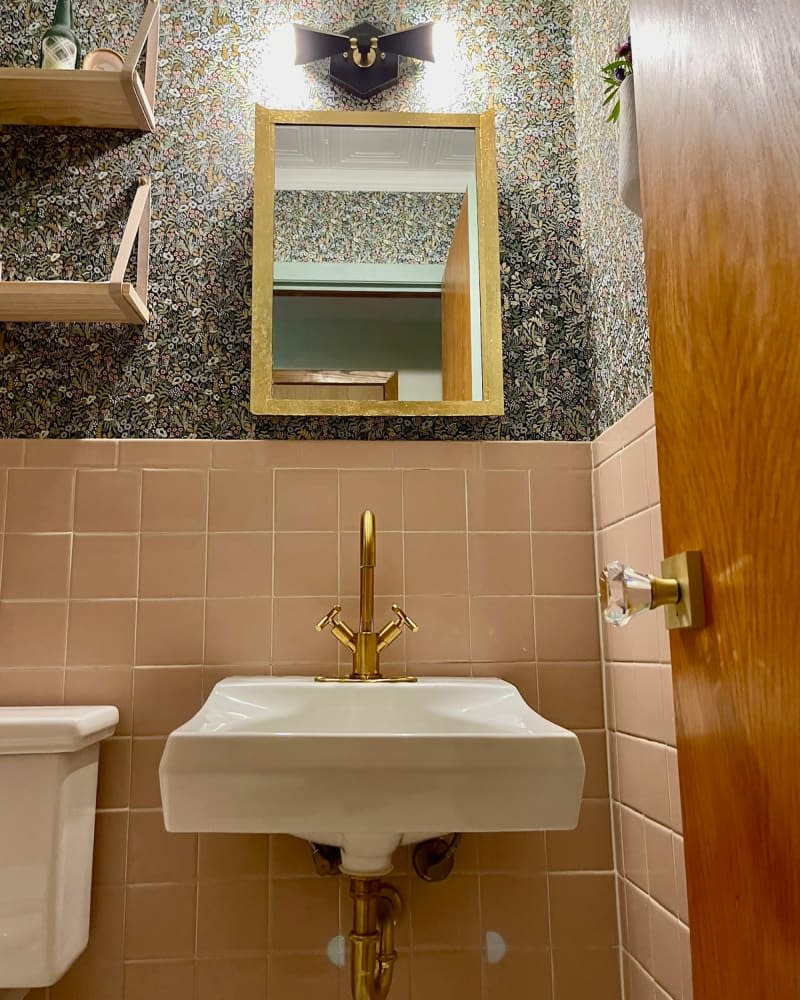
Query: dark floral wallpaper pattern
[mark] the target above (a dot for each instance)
(611, 234)
(64, 196)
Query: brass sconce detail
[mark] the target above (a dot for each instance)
(366, 645)
(377, 907)
(625, 593)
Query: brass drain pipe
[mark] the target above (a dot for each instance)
(377, 907)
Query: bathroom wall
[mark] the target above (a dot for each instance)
(611, 235)
(139, 573)
(187, 373)
(640, 715)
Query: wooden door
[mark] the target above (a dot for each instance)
(456, 313)
(718, 110)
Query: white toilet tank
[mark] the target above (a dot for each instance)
(48, 791)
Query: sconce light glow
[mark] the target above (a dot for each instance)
(276, 80)
(443, 80)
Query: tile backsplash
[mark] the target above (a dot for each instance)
(139, 573)
(641, 724)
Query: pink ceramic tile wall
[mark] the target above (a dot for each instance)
(139, 573)
(641, 724)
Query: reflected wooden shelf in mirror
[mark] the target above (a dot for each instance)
(376, 254)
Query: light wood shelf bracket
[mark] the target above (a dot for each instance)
(88, 98)
(112, 301)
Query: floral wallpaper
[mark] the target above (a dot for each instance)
(65, 195)
(382, 227)
(611, 235)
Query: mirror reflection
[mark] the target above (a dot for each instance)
(376, 271)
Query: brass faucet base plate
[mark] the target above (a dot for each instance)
(407, 679)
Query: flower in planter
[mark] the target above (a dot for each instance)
(613, 75)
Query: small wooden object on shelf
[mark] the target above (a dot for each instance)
(87, 98)
(112, 301)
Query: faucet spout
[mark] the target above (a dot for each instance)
(368, 545)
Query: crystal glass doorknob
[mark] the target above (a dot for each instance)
(625, 593)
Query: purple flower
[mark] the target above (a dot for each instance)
(624, 51)
(619, 74)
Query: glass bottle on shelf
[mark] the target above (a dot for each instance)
(60, 47)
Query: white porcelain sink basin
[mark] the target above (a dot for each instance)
(366, 767)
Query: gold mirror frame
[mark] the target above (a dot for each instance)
(261, 398)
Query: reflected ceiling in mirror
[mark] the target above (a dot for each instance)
(375, 272)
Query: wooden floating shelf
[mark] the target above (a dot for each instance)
(112, 301)
(87, 98)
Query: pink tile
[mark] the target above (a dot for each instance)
(174, 500)
(651, 468)
(39, 500)
(639, 543)
(101, 633)
(498, 500)
(105, 565)
(500, 564)
(346, 454)
(24, 686)
(435, 563)
(633, 463)
(638, 909)
(436, 455)
(149, 454)
(637, 421)
(239, 564)
(571, 694)
(665, 931)
(680, 877)
(643, 777)
(32, 634)
(169, 632)
(633, 849)
(172, 565)
(240, 500)
(566, 628)
(675, 815)
(164, 698)
(255, 454)
(378, 490)
(564, 564)
(561, 500)
(238, 630)
(36, 566)
(434, 500)
(661, 865)
(306, 563)
(501, 628)
(608, 499)
(12, 453)
(443, 635)
(70, 454)
(107, 500)
(295, 639)
(535, 454)
(306, 500)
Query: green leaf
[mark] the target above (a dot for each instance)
(614, 115)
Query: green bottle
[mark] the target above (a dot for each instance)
(60, 48)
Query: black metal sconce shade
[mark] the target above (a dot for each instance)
(363, 61)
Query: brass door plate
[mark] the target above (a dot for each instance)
(690, 611)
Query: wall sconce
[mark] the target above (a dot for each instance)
(363, 61)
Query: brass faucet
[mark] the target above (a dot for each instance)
(366, 645)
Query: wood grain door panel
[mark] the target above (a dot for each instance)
(718, 115)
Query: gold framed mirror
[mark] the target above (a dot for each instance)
(376, 265)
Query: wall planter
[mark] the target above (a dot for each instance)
(628, 172)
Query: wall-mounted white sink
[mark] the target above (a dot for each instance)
(366, 767)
